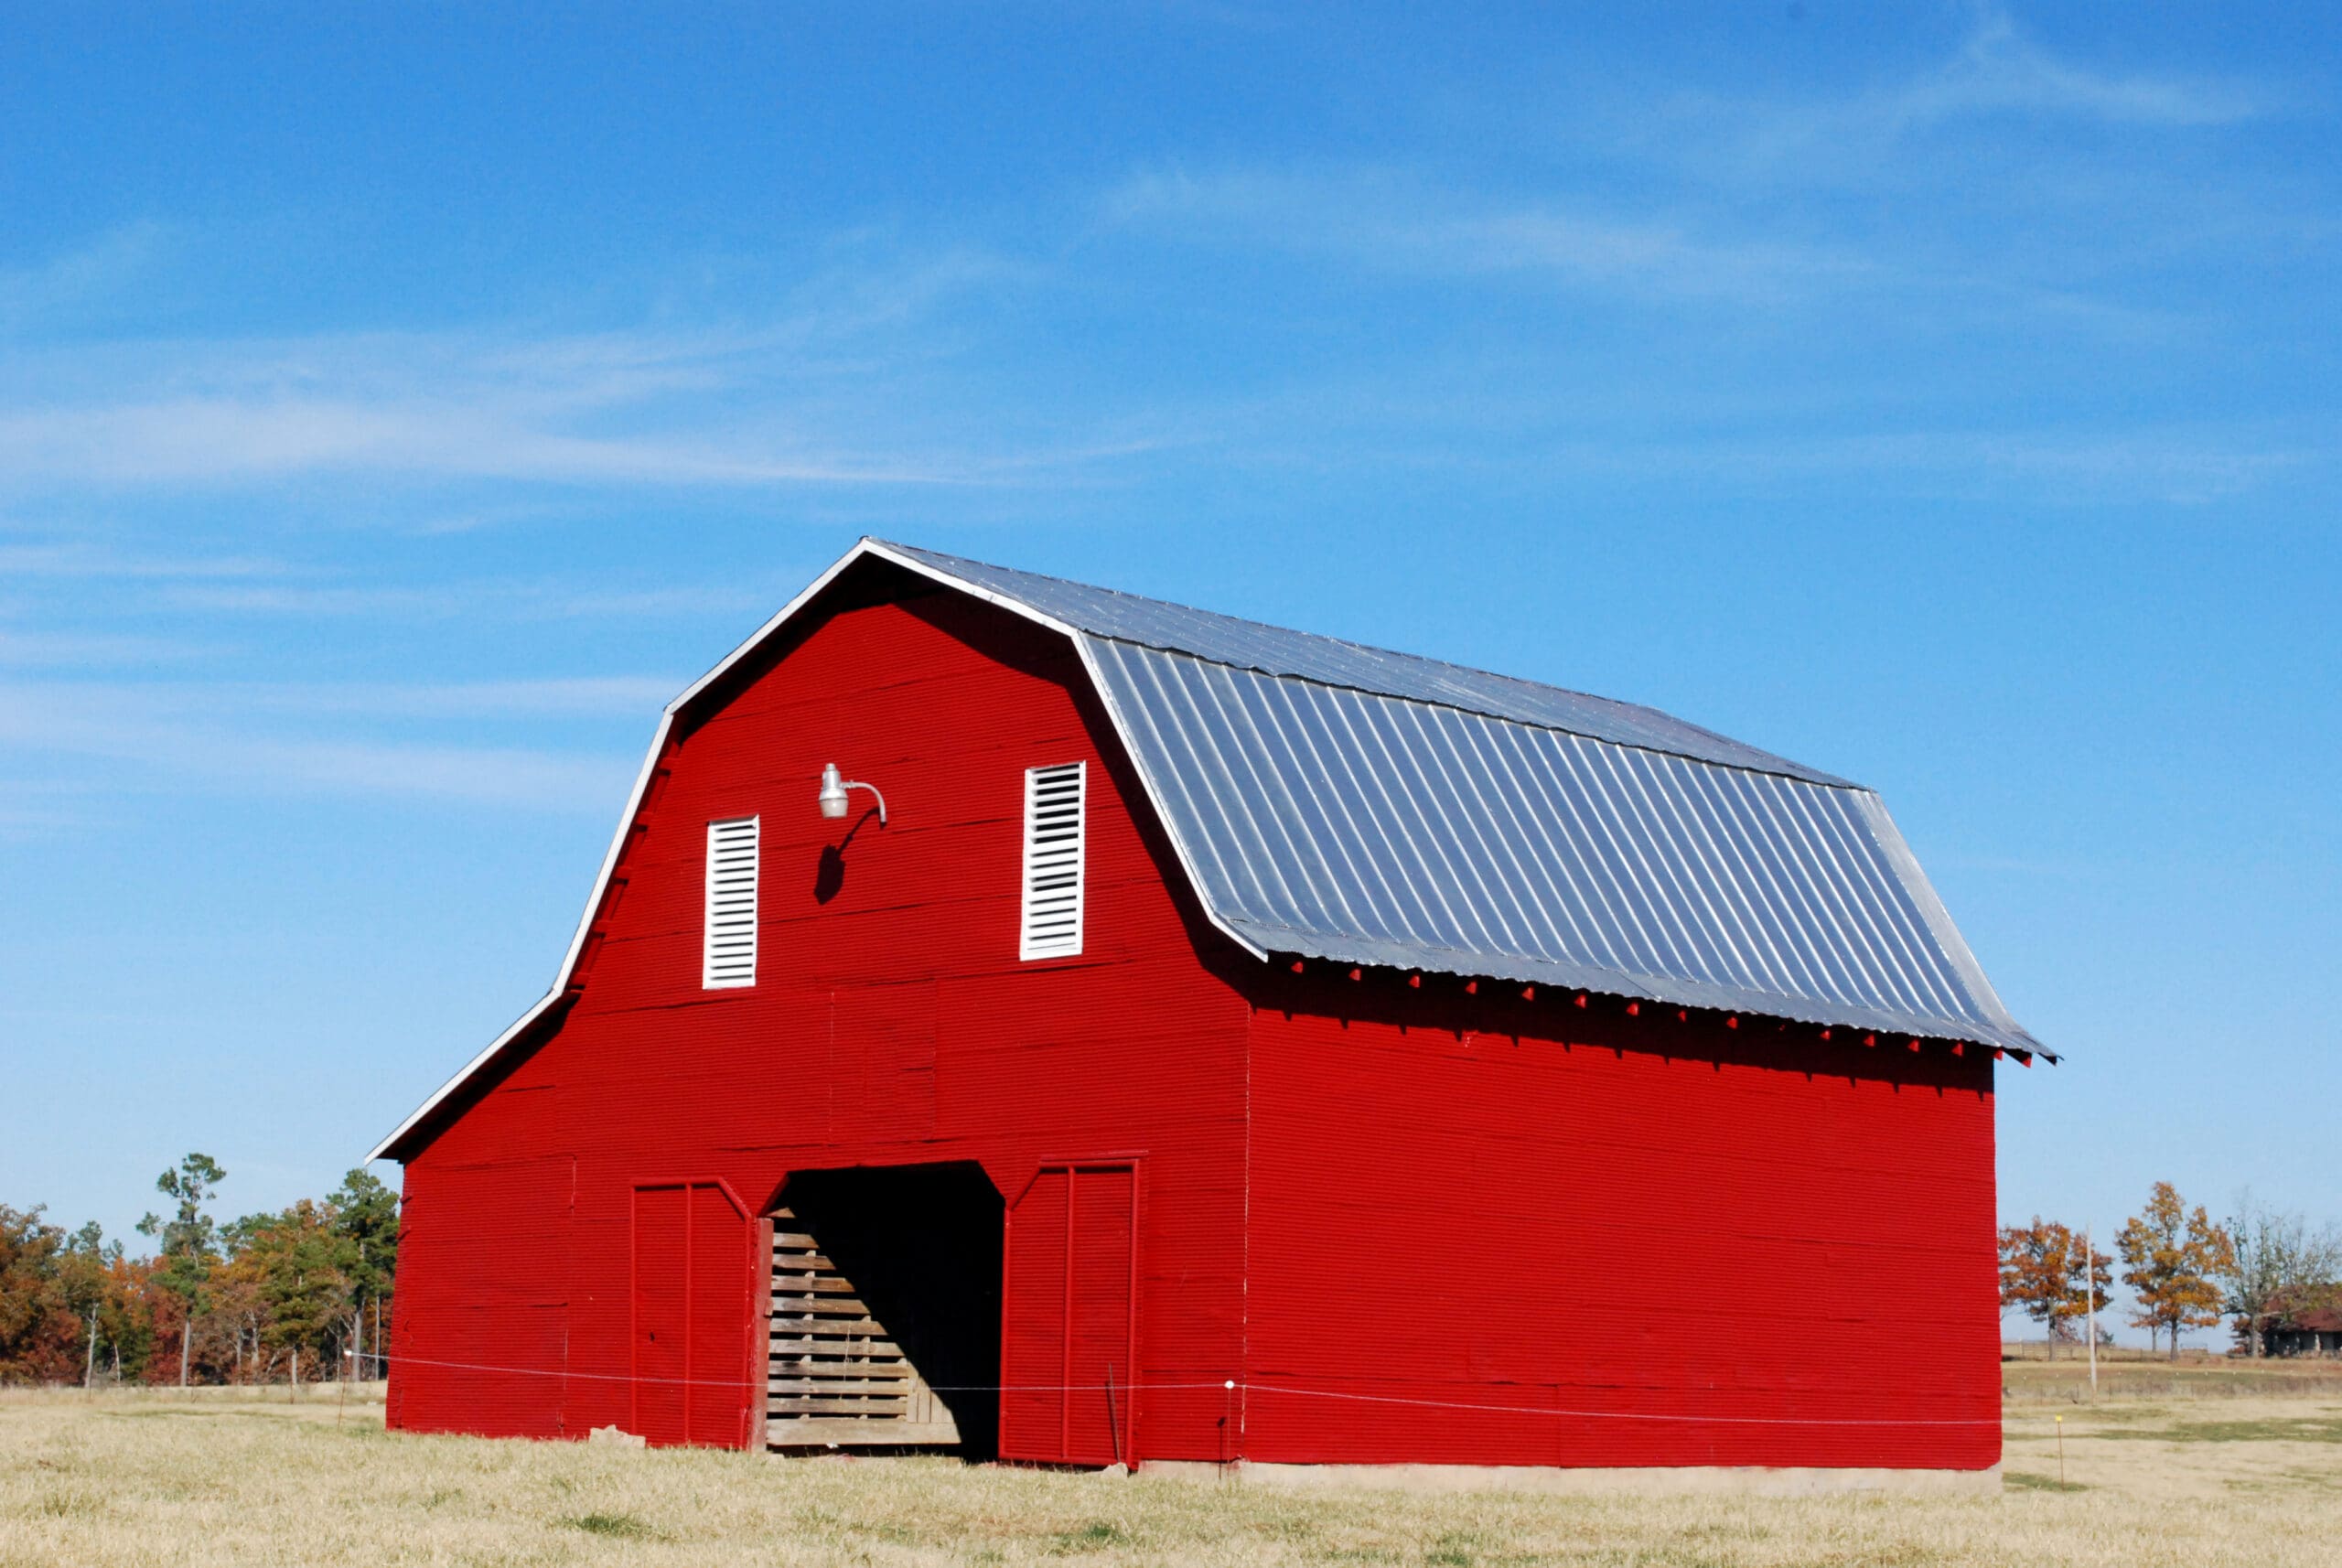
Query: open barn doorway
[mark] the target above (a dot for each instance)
(885, 1327)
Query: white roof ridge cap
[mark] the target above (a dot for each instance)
(936, 565)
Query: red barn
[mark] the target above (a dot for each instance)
(1025, 1017)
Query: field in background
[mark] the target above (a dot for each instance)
(2030, 1374)
(234, 1477)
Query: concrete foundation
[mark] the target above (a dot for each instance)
(1624, 1481)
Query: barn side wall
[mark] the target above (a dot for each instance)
(891, 1022)
(1491, 1231)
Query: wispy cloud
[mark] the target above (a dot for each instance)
(603, 697)
(76, 649)
(64, 284)
(226, 438)
(749, 594)
(1996, 72)
(1999, 69)
(221, 736)
(2169, 467)
(842, 383)
(32, 809)
(1471, 419)
(1401, 224)
(85, 559)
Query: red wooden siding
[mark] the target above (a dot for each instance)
(483, 1251)
(1782, 1250)
(1068, 1334)
(891, 1022)
(693, 1377)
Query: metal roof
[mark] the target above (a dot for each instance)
(1343, 802)
(1338, 801)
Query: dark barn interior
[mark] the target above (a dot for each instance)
(902, 1314)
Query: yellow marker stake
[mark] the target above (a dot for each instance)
(2061, 1451)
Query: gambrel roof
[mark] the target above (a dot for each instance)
(1335, 801)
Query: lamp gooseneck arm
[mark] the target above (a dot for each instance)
(858, 784)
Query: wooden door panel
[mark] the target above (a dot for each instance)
(1032, 1401)
(661, 1276)
(1071, 1318)
(690, 1311)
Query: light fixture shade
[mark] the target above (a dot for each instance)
(833, 791)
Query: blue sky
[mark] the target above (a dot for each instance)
(398, 404)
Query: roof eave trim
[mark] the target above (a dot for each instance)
(387, 1148)
(1665, 990)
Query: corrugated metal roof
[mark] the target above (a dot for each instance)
(1342, 802)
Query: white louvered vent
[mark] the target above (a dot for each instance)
(1053, 840)
(729, 955)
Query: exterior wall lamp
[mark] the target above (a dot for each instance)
(834, 790)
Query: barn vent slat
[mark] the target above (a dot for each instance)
(729, 951)
(1054, 802)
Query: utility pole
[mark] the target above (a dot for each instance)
(2089, 1286)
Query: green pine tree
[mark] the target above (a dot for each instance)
(189, 1241)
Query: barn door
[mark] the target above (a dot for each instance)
(1068, 1361)
(690, 1311)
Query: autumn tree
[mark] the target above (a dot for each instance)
(293, 1261)
(2275, 1260)
(2173, 1261)
(2046, 1272)
(32, 1309)
(52, 1292)
(187, 1238)
(82, 1288)
(129, 1315)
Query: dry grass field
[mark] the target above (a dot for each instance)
(2029, 1375)
(217, 1477)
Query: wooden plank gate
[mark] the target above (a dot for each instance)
(836, 1376)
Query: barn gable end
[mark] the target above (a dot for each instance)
(892, 1024)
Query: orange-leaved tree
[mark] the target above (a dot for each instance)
(2048, 1272)
(2172, 1260)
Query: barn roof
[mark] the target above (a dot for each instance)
(1341, 802)
(1337, 802)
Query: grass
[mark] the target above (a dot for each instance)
(231, 1479)
(2030, 1375)
(2325, 1427)
(624, 1525)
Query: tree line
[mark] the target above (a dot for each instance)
(2264, 1268)
(266, 1296)
(303, 1291)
